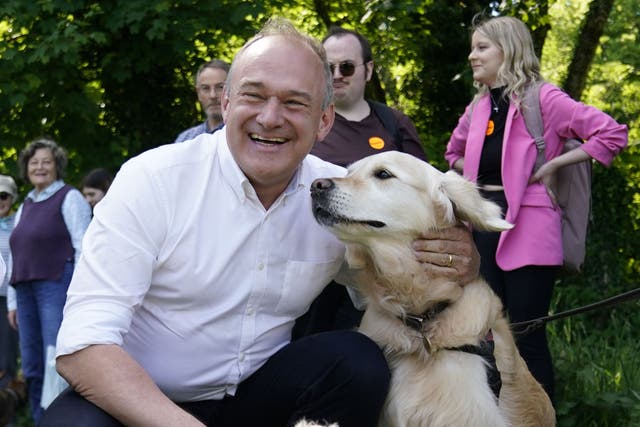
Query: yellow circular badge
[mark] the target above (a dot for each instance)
(490, 127)
(376, 142)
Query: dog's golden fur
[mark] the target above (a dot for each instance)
(384, 203)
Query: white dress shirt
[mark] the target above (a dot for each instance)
(184, 268)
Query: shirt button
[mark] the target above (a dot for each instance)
(241, 357)
(260, 266)
(250, 311)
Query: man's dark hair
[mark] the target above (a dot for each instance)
(214, 63)
(364, 43)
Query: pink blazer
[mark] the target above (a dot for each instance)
(536, 238)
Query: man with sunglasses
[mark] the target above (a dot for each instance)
(209, 82)
(361, 128)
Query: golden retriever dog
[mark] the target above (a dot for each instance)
(437, 336)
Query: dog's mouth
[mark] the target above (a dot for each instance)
(328, 218)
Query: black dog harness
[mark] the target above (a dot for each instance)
(484, 349)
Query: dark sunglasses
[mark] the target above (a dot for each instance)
(347, 68)
(4, 196)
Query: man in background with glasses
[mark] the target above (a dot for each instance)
(361, 128)
(210, 80)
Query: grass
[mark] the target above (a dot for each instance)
(597, 366)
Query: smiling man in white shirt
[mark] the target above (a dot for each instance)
(201, 257)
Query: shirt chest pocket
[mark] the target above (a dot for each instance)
(303, 281)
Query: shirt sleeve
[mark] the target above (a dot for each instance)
(76, 213)
(11, 299)
(603, 137)
(120, 251)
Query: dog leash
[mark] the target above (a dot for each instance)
(533, 324)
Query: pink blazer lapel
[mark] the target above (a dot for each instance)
(477, 132)
(518, 152)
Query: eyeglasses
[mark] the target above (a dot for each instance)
(347, 68)
(4, 196)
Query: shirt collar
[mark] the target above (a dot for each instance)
(239, 181)
(6, 223)
(47, 192)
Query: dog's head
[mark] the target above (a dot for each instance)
(393, 195)
(384, 203)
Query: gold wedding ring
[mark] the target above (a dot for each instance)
(450, 261)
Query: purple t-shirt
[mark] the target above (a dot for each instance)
(350, 141)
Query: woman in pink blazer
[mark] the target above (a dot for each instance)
(492, 147)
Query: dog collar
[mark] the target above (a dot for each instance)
(416, 322)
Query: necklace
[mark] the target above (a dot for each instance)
(494, 104)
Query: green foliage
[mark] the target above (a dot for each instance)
(597, 373)
(108, 79)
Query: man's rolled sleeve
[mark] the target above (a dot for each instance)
(113, 275)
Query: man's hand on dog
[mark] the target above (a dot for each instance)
(449, 252)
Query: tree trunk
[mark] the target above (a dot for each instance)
(539, 35)
(322, 10)
(585, 49)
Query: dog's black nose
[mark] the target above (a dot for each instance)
(321, 184)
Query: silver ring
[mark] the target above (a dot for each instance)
(450, 261)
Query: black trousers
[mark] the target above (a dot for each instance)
(339, 376)
(526, 294)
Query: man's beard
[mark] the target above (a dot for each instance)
(215, 116)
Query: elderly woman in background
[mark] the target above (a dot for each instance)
(8, 334)
(45, 246)
(95, 184)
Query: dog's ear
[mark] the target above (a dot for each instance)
(469, 205)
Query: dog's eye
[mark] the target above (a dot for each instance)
(383, 174)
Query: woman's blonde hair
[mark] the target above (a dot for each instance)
(520, 66)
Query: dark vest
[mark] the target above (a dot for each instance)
(40, 243)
